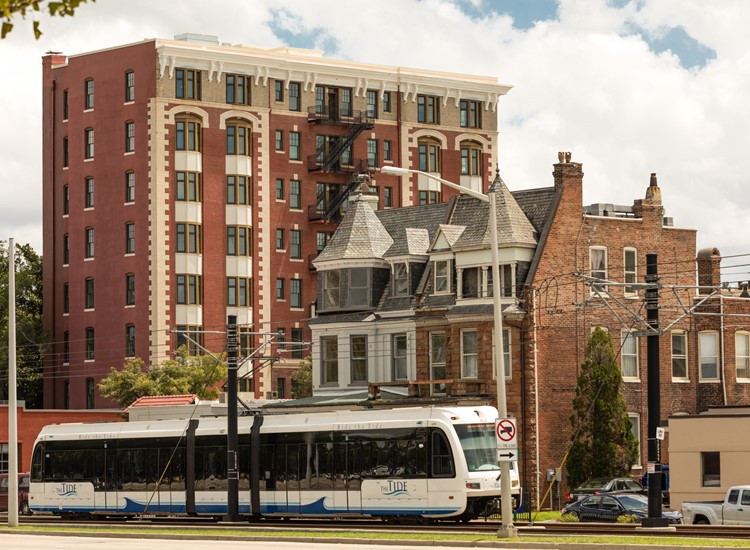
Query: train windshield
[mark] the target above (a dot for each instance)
(479, 444)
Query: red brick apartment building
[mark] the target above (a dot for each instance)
(187, 180)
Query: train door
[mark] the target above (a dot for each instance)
(105, 488)
(287, 477)
(353, 475)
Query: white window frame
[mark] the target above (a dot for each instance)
(359, 294)
(397, 358)
(437, 361)
(598, 273)
(628, 356)
(744, 357)
(702, 340)
(400, 279)
(470, 356)
(331, 292)
(629, 276)
(635, 420)
(684, 356)
(507, 358)
(325, 360)
(443, 278)
(357, 359)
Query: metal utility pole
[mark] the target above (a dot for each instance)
(233, 479)
(654, 518)
(12, 397)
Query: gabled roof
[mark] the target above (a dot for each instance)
(513, 227)
(399, 222)
(163, 400)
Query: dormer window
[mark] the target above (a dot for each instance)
(400, 280)
(442, 276)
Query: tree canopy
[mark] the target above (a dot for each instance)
(302, 379)
(11, 8)
(31, 340)
(185, 374)
(603, 440)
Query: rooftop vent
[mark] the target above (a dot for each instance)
(198, 38)
(668, 221)
(609, 210)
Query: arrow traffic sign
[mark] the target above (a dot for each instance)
(507, 455)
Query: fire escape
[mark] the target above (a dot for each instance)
(334, 159)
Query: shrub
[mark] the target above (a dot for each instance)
(569, 518)
(627, 518)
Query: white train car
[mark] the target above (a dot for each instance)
(430, 462)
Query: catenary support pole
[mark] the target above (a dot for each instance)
(12, 396)
(232, 438)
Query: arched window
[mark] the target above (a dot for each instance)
(429, 155)
(238, 138)
(471, 158)
(187, 134)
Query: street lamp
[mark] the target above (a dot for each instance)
(507, 529)
(12, 423)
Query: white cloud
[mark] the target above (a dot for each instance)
(584, 83)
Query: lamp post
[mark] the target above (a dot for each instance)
(12, 422)
(507, 529)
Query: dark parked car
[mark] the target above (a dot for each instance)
(609, 507)
(23, 493)
(597, 485)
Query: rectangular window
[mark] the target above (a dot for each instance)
(711, 469)
(239, 240)
(130, 341)
(329, 359)
(372, 103)
(742, 355)
(294, 147)
(387, 150)
(359, 286)
(88, 140)
(90, 392)
(89, 92)
(187, 135)
(66, 200)
(189, 238)
(129, 86)
(708, 344)
(295, 196)
(437, 361)
(279, 140)
(238, 89)
(295, 244)
(346, 102)
(89, 293)
(278, 90)
(66, 347)
(372, 152)
(295, 293)
(89, 343)
(294, 97)
(129, 136)
(280, 195)
(469, 354)
(428, 109)
(237, 187)
(66, 298)
(130, 238)
(631, 271)
(428, 156)
(66, 249)
(386, 102)
(399, 365)
(506, 281)
(189, 289)
(506, 355)
(400, 279)
(130, 289)
(187, 84)
(188, 186)
(239, 139)
(89, 185)
(89, 240)
(279, 238)
(238, 292)
(129, 186)
(65, 152)
(65, 104)
(598, 265)
(470, 115)
(358, 355)
(635, 426)
(679, 356)
(442, 276)
(471, 160)
(298, 347)
(280, 291)
(321, 239)
(387, 197)
(629, 355)
(331, 288)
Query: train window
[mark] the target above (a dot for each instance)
(442, 461)
(37, 463)
(479, 444)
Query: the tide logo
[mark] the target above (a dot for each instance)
(67, 490)
(394, 488)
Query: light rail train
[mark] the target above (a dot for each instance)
(438, 463)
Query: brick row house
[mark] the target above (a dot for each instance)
(405, 302)
(187, 180)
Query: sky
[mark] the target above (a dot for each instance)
(629, 87)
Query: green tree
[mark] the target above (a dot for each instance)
(31, 339)
(603, 441)
(302, 379)
(12, 8)
(185, 374)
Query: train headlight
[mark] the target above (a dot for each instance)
(472, 485)
(515, 483)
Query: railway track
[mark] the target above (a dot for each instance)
(474, 527)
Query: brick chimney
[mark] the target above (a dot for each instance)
(568, 178)
(709, 269)
(650, 208)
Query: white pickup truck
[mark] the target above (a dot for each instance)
(733, 510)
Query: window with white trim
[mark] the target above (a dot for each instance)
(598, 266)
(629, 355)
(399, 365)
(635, 426)
(329, 359)
(469, 354)
(331, 287)
(630, 275)
(358, 354)
(442, 276)
(679, 355)
(437, 362)
(708, 347)
(400, 279)
(742, 355)
(506, 355)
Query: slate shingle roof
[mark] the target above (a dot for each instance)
(536, 204)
